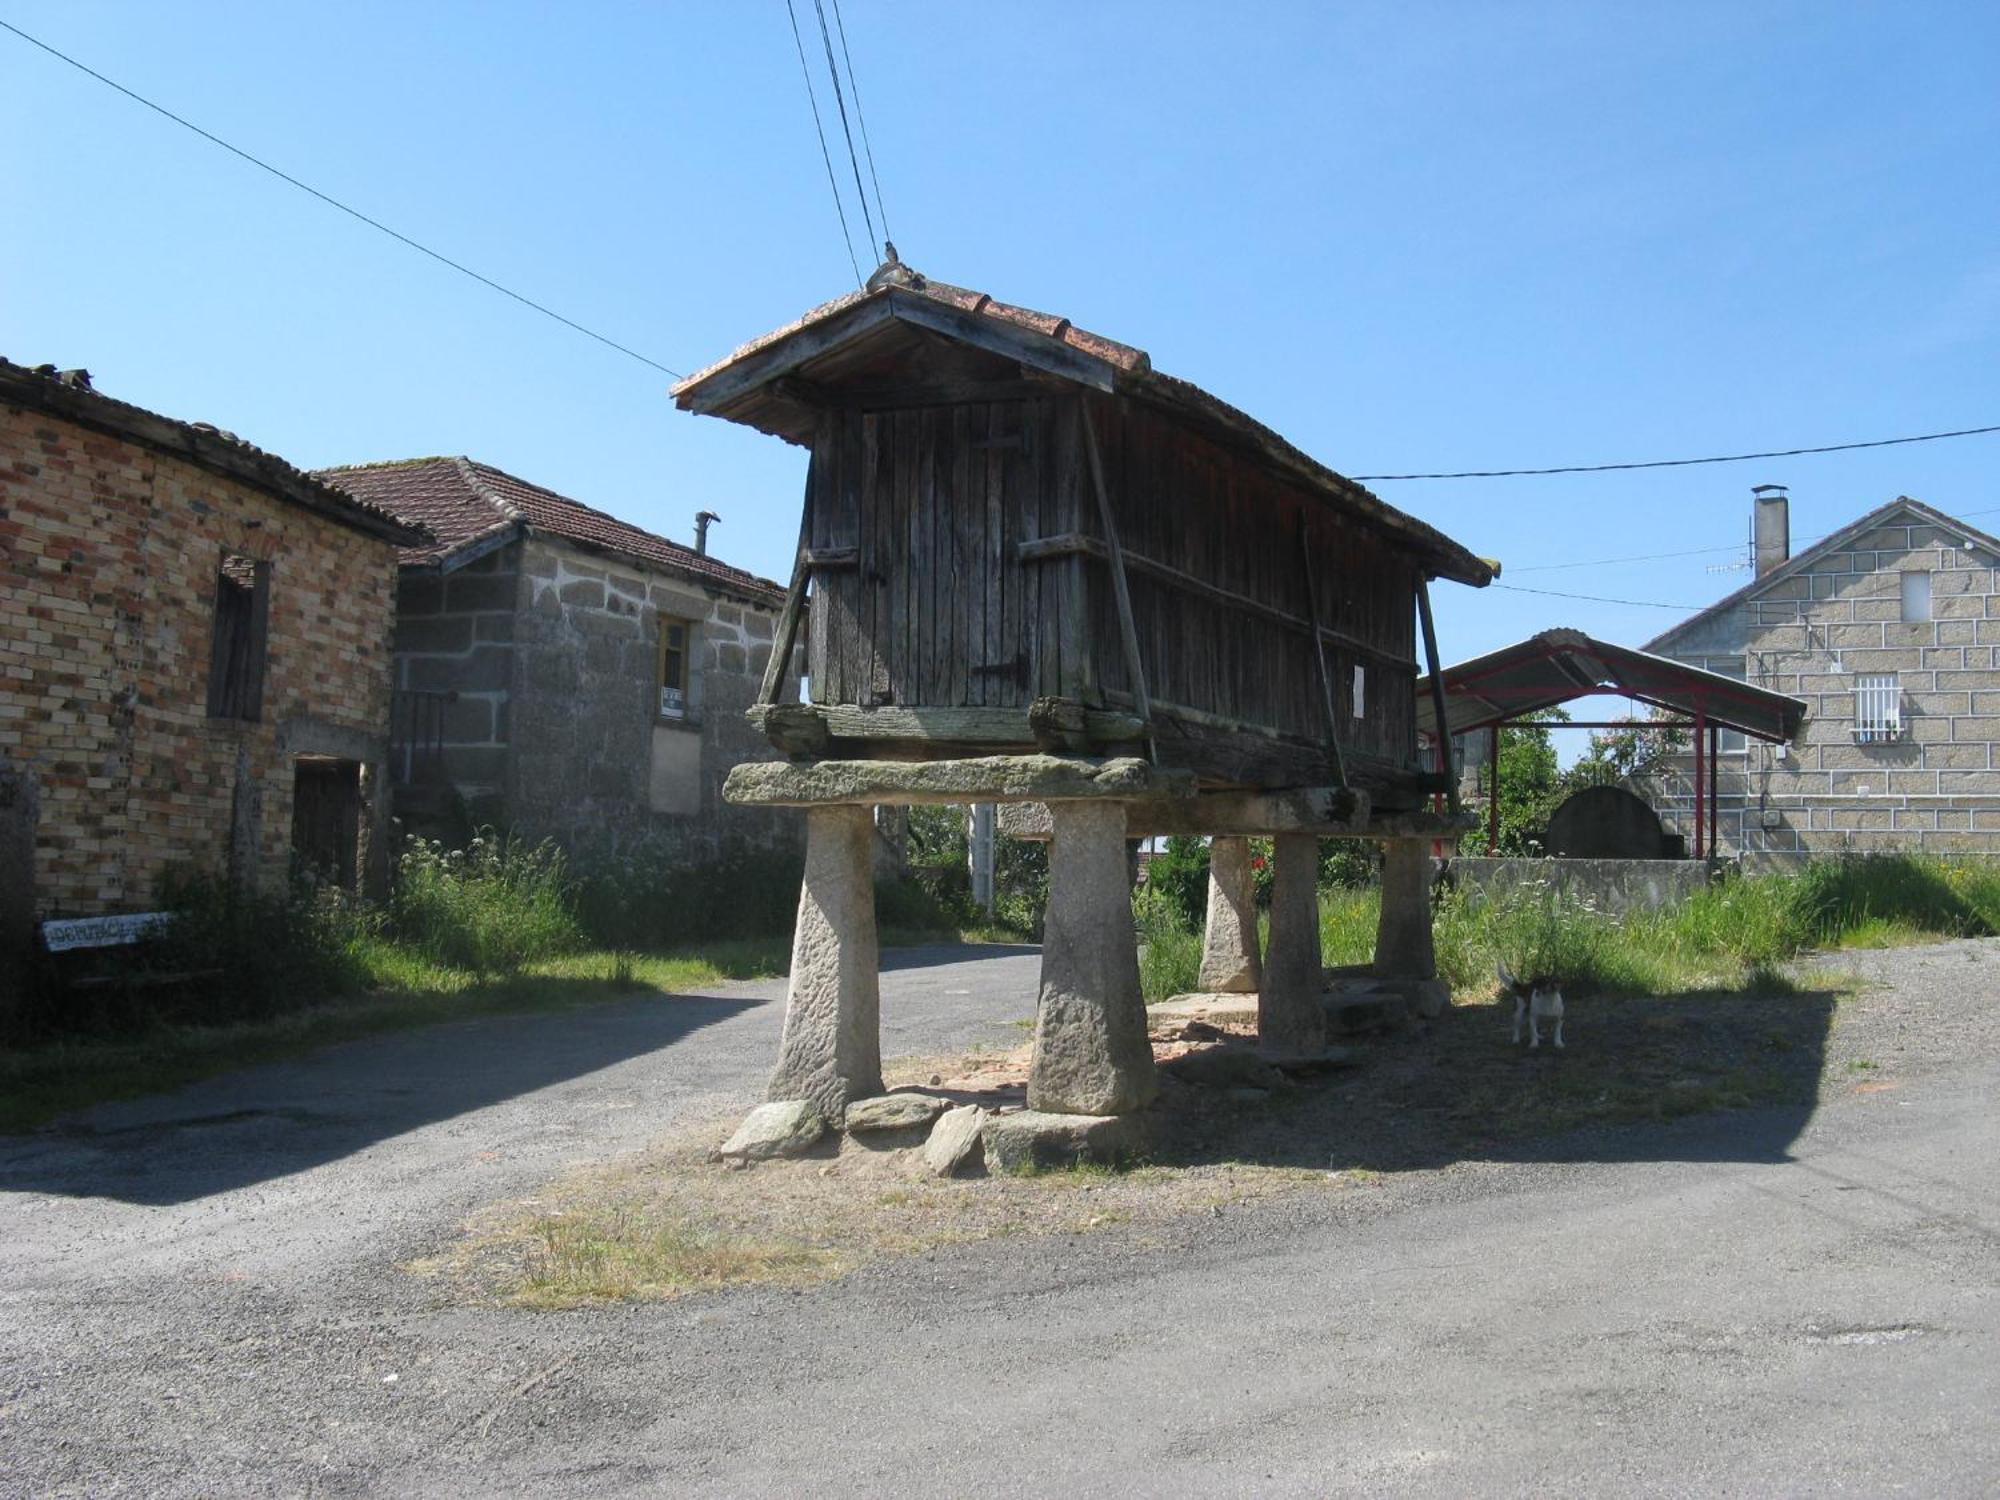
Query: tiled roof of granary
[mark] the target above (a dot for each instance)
(742, 386)
(464, 503)
(69, 394)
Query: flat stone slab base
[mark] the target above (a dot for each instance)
(1022, 1140)
(1361, 1012)
(899, 1111)
(1214, 1006)
(1421, 997)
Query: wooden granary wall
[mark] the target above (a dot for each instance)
(959, 560)
(1018, 534)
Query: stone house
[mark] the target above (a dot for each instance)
(1887, 628)
(194, 657)
(561, 672)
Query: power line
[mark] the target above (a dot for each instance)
(825, 155)
(840, 99)
(1605, 562)
(861, 119)
(332, 202)
(1516, 588)
(1682, 463)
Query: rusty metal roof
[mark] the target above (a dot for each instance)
(466, 504)
(749, 386)
(1557, 666)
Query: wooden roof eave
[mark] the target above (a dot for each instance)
(745, 388)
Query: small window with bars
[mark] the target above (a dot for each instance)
(1878, 708)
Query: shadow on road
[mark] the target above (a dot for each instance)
(271, 1121)
(1734, 1077)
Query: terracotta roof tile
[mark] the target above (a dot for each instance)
(463, 502)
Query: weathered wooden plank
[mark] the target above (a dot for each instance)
(968, 593)
(1128, 628)
(833, 559)
(787, 633)
(819, 640)
(814, 725)
(1333, 718)
(1044, 549)
(909, 496)
(1437, 692)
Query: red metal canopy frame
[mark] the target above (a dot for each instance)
(1555, 667)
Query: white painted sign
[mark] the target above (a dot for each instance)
(101, 932)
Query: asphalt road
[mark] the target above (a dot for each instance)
(200, 1294)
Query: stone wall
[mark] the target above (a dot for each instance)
(1936, 786)
(593, 759)
(109, 552)
(455, 635)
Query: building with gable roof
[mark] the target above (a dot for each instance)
(1887, 628)
(561, 672)
(195, 659)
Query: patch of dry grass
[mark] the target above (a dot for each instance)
(673, 1222)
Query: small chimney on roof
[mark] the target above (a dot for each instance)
(1770, 526)
(702, 518)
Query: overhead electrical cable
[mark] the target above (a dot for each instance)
(840, 99)
(861, 119)
(1515, 588)
(826, 156)
(1682, 463)
(1605, 562)
(349, 210)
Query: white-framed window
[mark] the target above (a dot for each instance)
(1916, 598)
(1878, 708)
(1360, 692)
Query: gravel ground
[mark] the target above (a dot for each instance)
(203, 1294)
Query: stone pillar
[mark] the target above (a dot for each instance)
(1291, 1017)
(1092, 1055)
(1229, 961)
(1403, 947)
(832, 1047)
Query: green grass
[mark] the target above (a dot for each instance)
(1731, 935)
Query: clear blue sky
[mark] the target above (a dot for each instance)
(1408, 236)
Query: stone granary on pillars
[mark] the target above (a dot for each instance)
(1039, 571)
(194, 669)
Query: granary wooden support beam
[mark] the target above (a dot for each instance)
(1050, 723)
(989, 778)
(1324, 812)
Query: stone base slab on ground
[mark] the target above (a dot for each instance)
(1025, 1139)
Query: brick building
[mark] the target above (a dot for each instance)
(194, 656)
(560, 672)
(1888, 629)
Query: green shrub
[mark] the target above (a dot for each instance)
(490, 907)
(1178, 876)
(1169, 946)
(656, 894)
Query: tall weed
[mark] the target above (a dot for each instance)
(490, 907)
